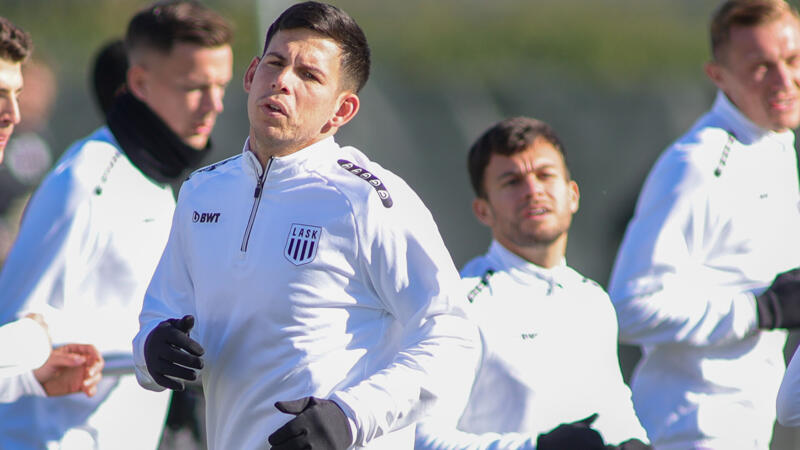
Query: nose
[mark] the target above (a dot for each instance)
(786, 76)
(213, 99)
(280, 82)
(9, 110)
(532, 185)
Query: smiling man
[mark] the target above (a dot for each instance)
(326, 305)
(550, 376)
(94, 230)
(705, 278)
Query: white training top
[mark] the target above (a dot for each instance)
(88, 244)
(323, 275)
(549, 357)
(716, 221)
(24, 346)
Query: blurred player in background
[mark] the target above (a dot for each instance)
(28, 365)
(95, 229)
(549, 334)
(705, 279)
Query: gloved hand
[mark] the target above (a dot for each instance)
(169, 351)
(574, 436)
(779, 305)
(319, 423)
(630, 444)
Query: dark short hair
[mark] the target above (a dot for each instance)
(165, 23)
(15, 43)
(743, 13)
(508, 137)
(335, 24)
(109, 71)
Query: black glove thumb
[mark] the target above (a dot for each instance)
(587, 422)
(293, 406)
(185, 323)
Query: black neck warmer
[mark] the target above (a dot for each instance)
(149, 143)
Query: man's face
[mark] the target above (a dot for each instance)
(759, 71)
(10, 88)
(294, 91)
(185, 88)
(529, 199)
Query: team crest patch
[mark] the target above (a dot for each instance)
(374, 181)
(302, 243)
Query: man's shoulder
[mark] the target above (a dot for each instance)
(366, 183)
(86, 161)
(213, 171)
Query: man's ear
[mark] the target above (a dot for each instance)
(137, 79)
(714, 72)
(348, 108)
(574, 196)
(482, 210)
(250, 73)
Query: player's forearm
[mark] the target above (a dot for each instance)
(399, 395)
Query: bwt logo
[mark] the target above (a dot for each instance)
(205, 217)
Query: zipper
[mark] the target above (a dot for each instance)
(254, 210)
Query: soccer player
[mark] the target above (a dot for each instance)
(550, 376)
(94, 230)
(705, 279)
(308, 285)
(28, 365)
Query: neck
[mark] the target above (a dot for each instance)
(266, 148)
(547, 255)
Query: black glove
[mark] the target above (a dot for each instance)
(574, 436)
(630, 444)
(319, 423)
(168, 351)
(779, 305)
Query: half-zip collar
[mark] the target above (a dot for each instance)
(286, 166)
(504, 260)
(743, 129)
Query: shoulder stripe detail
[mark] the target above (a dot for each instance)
(479, 287)
(104, 177)
(374, 181)
(723, 159)
(214, 166)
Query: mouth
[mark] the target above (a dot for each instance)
(783, 103)
(535, 211)
(274, 107)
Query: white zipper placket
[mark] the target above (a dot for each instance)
(256, 201)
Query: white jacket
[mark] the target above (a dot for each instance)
(323, 275)
(24, 346)
(716, 221)
(549, 357)
(88, 244)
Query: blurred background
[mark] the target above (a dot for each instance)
(617, 79)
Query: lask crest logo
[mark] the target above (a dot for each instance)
(206, 217)
(376, 183)
(302, 243)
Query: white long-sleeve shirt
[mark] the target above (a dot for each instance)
(89, 242)
(788, 403)
(323, 275)
(24, 346)
(549, 357)
(716, 221)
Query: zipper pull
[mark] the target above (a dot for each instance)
(257, 193)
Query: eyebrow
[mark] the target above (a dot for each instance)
(517, 171)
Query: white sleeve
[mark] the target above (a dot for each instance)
(169, 295)
(406, 262)
(14, 387)
(57, 249)
(24, 346)
(788, 404)
(657, 285)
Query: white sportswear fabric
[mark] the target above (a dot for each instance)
(371, 320)
(24, 346)
(88, 244)
(549, 357)
(716, 221)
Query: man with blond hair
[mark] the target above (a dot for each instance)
(705, 279)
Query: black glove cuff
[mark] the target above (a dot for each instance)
(768, 310)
